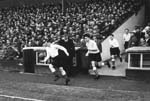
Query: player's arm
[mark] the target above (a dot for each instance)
(47, 56)
(62, 48)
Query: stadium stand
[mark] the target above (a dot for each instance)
(31, 25)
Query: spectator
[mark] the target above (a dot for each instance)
(126, 38)
(147, 39)
(133, 40)
(142, 42)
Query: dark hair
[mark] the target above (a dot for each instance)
(111, 35)
(87, 35)
(127, 29)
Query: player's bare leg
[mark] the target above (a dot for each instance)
(64, 75)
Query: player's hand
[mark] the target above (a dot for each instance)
(67, 54)
(112, 46)
(87, 54)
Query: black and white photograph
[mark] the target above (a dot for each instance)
(74, 50)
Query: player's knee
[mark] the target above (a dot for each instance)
(93, 63)
(52, 68)
(63, 72)
(112, 57)
(94, 68)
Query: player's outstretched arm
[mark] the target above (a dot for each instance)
(62, 48)
(47, 56)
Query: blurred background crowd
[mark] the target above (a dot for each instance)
(33, 25)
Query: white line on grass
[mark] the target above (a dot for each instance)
(99, 89)
(22, 98)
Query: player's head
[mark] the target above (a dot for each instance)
(95, 38)
(111, 36)
(127, 30)
(86, 37)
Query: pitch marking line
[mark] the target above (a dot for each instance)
(22, 98)
(99, 89)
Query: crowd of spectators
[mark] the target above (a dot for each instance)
(140, 36)
(33, 25)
